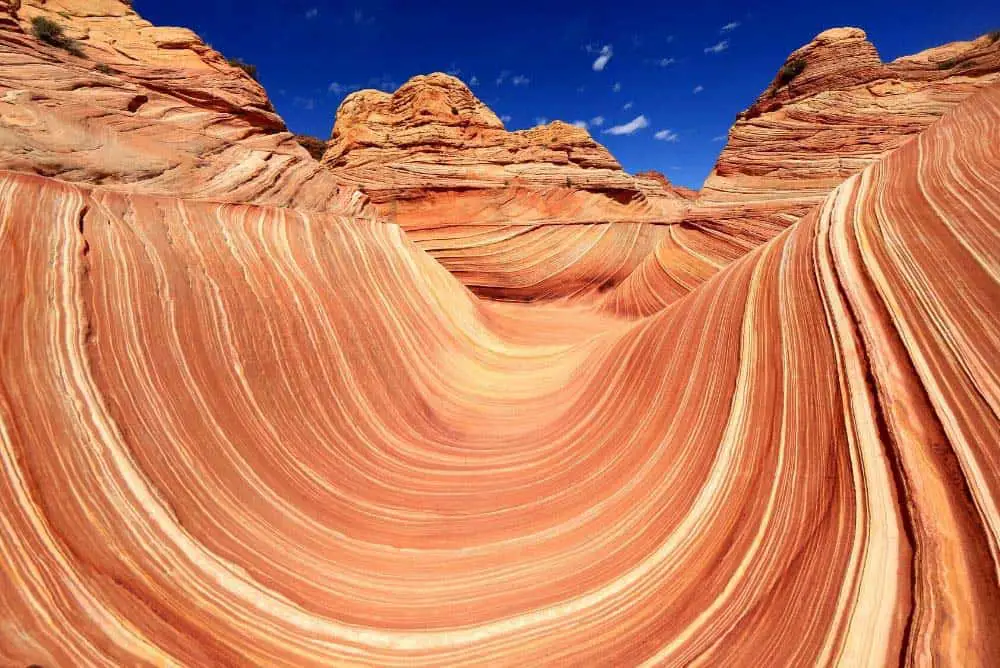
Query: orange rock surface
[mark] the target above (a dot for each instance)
(279, 432)
(799, 139)
(164, 114)
(538, 213)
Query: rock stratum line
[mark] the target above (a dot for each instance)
(238, 433)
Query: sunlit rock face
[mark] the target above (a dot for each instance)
(527, 215)
(804, 135)
(147, 109)
(279, 432)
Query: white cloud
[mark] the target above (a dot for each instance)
(312, 13)
(666, 135)
(597, 120)
(306, 103)
(580, 124)
(505, 119)
(665, 62)
(602, 60)
(628, 105)
(633, 126)
(502, 77)
(718, 48)
(520, 80)
(338, 88)
(541, 120)
(698, 89)
(729, 27)
(617, 87)
(719, 138)
(474, 81)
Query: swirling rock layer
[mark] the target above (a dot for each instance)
(238, 434)
(148, 110)
(533, 214)
(804, 135)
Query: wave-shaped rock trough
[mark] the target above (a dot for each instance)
(239, 434)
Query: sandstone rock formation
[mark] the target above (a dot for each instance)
(545, 212)
(390, 471)
(164, 113)
(278, 432)
(800, 138)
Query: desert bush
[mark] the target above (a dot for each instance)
(947, 64)
(315, 145)
(53, 34)
(104, 69)
(245, 66)
(993, 36)
(789, 71)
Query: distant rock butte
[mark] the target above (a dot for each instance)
(544, 212)
(802, 137)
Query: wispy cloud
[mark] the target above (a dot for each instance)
(602, 59)
(719, 138)
(666, 135)
(580, 89)
(597, 120)
(502, 77)
(338, 88)
(312, 13)
(698, 89)
(617, 87)
(361, 19)
(718, 48)
(505, 119)
(729, 27)
(383, 83)
(630, 128)
(628, 105)
(580, 124)
(541, 120)
(306, 103)
(665, 62)
(520, 80)
(474, 81)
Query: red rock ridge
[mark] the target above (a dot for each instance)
(147, 109)
(803, 136)
(539, 213)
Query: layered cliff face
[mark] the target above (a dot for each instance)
(796, 462)
(538, 213)
(147, 109)
(833, 109)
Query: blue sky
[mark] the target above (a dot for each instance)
(685, 69)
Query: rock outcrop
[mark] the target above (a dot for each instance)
(833, 109)
(246, 421)
(545, 212)
(148, 109)
(383, 469)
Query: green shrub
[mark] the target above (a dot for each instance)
(315, 145)
(245, 66)
(53, 34)
(789, 71)
(947, 64)
(104, 69)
